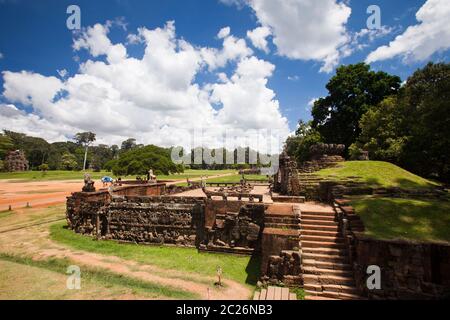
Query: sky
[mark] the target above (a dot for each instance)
(194, 72)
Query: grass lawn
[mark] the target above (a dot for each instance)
(242, 269)
(377, 174)
(25, 278)
(78, 175)
(50, 175)
(390, 218)
(194, 174)
(237, 178)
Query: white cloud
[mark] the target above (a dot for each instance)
(311, 103)
(154, 98)
(306, 29)
(1, 55)
(233, 49)
(224, 32)
(422, 40)
(258, 38)
(293, 78)
(62, 73)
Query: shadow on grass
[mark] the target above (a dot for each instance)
(412, 219)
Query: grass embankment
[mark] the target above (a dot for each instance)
(242, 269)
(377, 174)
(411, 219)
(91, 278)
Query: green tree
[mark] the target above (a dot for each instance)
(6, 144)
(85, 139)
(298, 146)
(351, 93)
(425, 105)
(381, 132)
(138, 161)
(69, 161)
(128, 144)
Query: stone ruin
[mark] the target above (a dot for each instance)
(323, 156)
(16, 161)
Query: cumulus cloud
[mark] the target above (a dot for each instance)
(154, 98)
(422, 40)
(306, 29)
(258, 37)
(233, 49)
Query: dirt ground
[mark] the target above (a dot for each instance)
(18, 194)
(18, 236)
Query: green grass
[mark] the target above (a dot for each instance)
(391, 218)
(237, 179)
(103, 277)
(50, 175)
(194, 174)
(242, 269)
(377, 174)
(78, 175)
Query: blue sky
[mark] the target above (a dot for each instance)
(34, 38)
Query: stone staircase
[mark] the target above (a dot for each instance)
(326, 271)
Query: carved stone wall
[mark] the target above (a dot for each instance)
(409, 270)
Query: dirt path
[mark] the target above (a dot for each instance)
(44, 193)
(35, 242)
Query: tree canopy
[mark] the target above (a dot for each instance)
(351, 93)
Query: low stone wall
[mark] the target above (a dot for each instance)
(233, 226)
(158, 220)
(409, 270)
(275, 241)
(82, 210)
(141, 190)
(322, 163)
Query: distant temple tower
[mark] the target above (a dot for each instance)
(16, 161)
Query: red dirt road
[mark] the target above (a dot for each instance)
(45, 193)
(40, 193)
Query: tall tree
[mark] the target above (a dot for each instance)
(6, 144)
(351, 93)
(85, 139)
(128, 144)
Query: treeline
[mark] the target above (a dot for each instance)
(128, 159)
(407, 124)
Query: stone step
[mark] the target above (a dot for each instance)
(322, 244)
(319, 213)
(328, 279)
(317, 298)
(281, 220)
(330, 272)
(331, 288)
(326, 264)
(282, 226)
(321, 238)
(331, 258)
(306, 226)
(325, 251)
(331, 223)
(320, 233)
(334, 295)
(317, 217)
